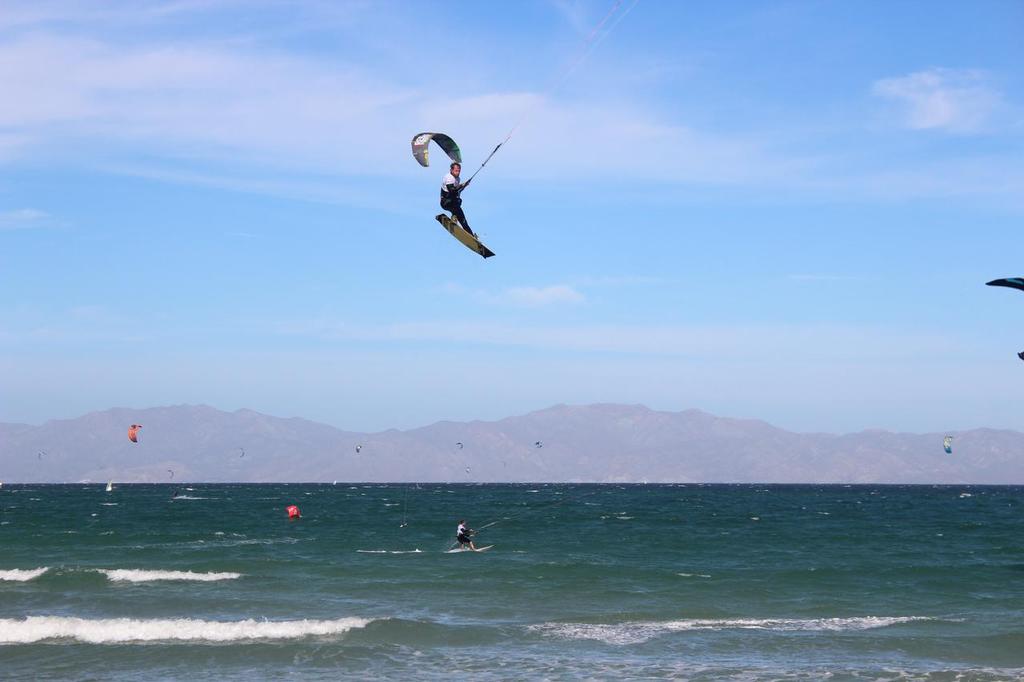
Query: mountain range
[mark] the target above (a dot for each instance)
(598, 443)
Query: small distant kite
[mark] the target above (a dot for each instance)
(538, 444)
(242, 450)
(947, 444)
(133, 432)
(458, 445)
(40, 454)
(359, 448)
(171, 472)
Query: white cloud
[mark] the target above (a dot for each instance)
(189, 100)
(951, 100)
(554, 294)
(523, 296)
(23, 219)
(810, 343)
(540, 296)
(601, 138)
(236, 114)
(196, 103)
(806, 277)
(621, 280)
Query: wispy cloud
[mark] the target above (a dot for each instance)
(23, 219)
(821, 278)
(794, 343)
(950, 100)
(192, 103)
(565, 293)
(79, 324)
(522, 296)
(541, 296)
(250, 114)
(619, 281)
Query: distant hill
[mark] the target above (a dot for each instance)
(603, 443)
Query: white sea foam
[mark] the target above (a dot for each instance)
(389, 551)
(126, 630)
(21, 575)
(638, 631)
(130, 575)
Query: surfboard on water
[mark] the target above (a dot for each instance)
(468, 240)
(467, 549)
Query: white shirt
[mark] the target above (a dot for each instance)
(449, 180)
(461, 530)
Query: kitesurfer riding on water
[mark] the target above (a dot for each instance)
(463, 535)
(451, 189)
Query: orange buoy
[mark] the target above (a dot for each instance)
(293, 512)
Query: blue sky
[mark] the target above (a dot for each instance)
(776, 210)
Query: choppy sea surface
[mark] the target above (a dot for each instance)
(700, 582)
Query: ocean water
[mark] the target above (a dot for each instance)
(701, 582)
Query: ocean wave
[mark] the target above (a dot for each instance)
(638, 631)
(131, 575)
(21, 575)
(389, 551)
(128, 630)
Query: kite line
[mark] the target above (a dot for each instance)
(592, 41)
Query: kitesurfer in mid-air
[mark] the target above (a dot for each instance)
(463, 534)
(451, 189)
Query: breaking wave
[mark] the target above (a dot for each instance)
(139, 576)
(21, 575)
(128, 630)
(635, 632)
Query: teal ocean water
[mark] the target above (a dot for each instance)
(694, 582)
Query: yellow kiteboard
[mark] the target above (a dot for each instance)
(457, 231)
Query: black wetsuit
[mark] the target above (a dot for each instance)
(451, 201)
